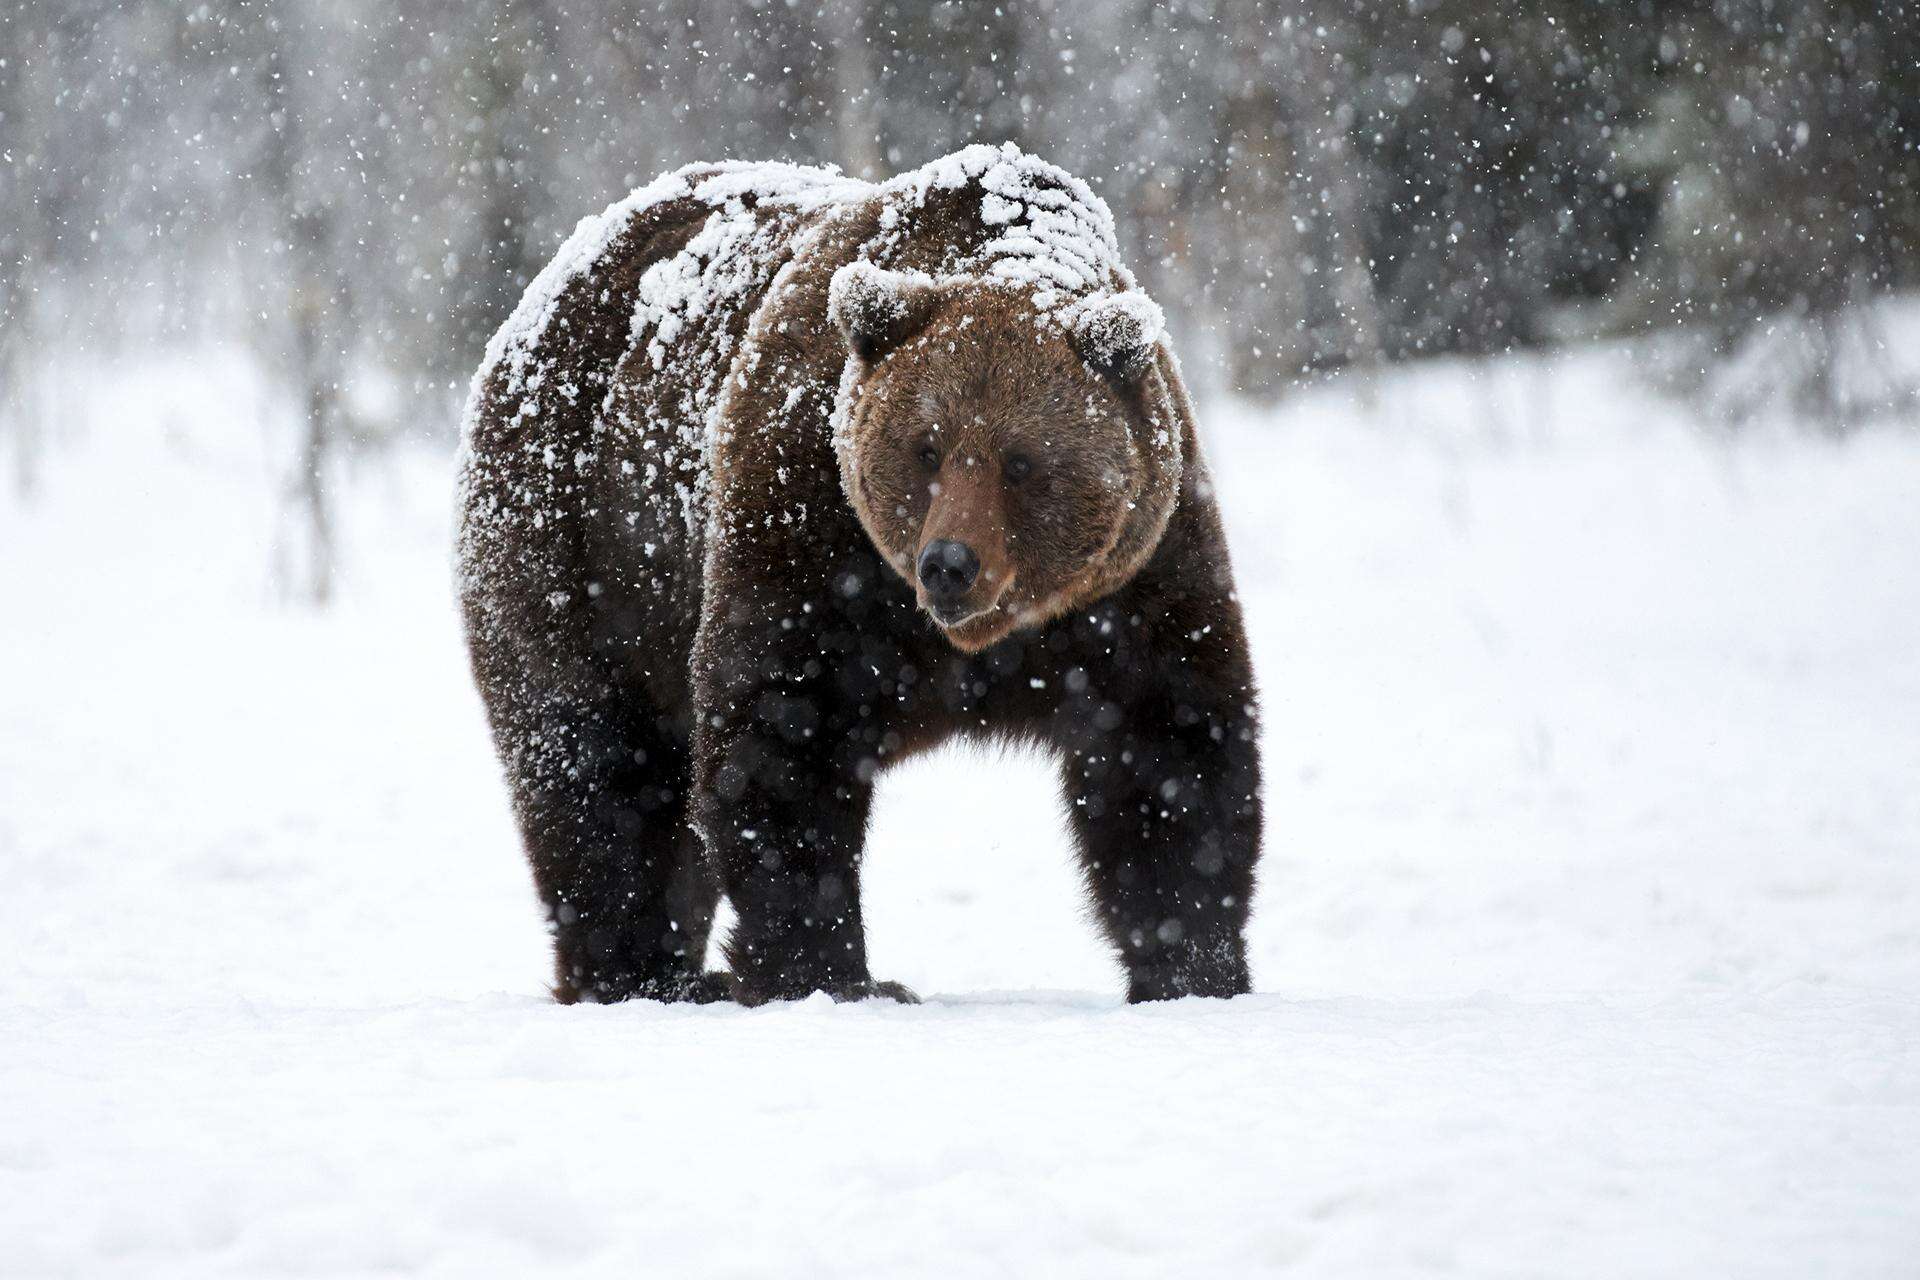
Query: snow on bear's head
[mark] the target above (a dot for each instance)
(1010, 462)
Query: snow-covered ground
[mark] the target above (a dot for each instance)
(1588, 942)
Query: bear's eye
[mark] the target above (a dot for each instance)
(1018, 467)
(930, 458)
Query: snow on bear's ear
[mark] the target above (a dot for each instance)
(878, 310)
(1117, 332)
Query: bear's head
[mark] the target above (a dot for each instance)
(1011, 463)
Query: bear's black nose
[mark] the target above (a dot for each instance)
(947, 570)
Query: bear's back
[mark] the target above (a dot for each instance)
(585, 437)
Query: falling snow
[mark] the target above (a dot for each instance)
(1559, 371)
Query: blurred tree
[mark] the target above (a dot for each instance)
(47, 213)
(500, 56)
(1258, 233)
(17, 210)
(304, 337)
(851, 94)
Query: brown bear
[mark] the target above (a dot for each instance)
(775, 478)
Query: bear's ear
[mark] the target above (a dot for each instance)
(878, 310)
(1116, 333)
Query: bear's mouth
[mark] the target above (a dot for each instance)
(973, 613)
(977, 630)
(971, 629)
(957, 615)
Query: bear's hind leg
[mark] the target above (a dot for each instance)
(602, 801)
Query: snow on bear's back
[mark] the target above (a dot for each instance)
(516, 347)
(1039, 227)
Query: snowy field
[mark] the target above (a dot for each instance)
(1588, 939)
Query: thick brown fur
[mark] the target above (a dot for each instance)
(696, 622)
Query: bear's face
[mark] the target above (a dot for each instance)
(1000, 468)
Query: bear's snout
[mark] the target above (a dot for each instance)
(963, 567)
(947, 571)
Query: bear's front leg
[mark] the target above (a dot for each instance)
(1166, 812)
(783, 799)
